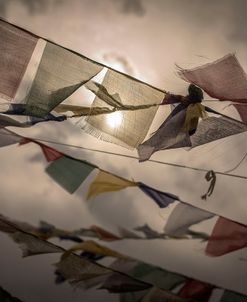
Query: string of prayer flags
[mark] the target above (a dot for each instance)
(69, 172)
(29, 243)
(127, 128)
(107, 182)
(49, 153)
(42, 74)
(196, 290)
(184, 216)
(223, 79)
(227, 236)
(163, 199)
(229, 296)
(73, 268)
(7, 297)
(85, 273)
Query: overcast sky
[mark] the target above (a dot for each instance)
(145, 39)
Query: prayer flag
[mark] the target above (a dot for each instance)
(17, 47)
(227, 236)
(169, 135)
(107, 182)
(223, 79)
(182, 217)
(49, 153)
(125, 128)
(163, 199)
(39, 73)
(69, 172)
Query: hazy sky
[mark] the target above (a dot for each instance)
(146, 39)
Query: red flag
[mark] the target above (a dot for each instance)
(49, 153)
(197, 290)
(227, 236)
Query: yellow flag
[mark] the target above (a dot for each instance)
(107, 182)
(193, 113)
(95, 248)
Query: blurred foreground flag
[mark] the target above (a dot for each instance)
(39, 73)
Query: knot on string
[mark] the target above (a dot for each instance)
(210, 176)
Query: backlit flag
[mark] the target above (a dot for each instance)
(125, 128)
(39, 73)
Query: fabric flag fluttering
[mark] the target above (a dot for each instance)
(227, 236)
(168, 136)
(107, 182)
(129, 127)
(223, 79)
(162, 199)
(43, 74)
(184, 216)
(49, 153)
(69, 172)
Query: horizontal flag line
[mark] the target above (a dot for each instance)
(91, 60)
(131, 156)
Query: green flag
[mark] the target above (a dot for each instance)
(69, 172)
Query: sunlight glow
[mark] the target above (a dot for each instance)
(114, 119)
